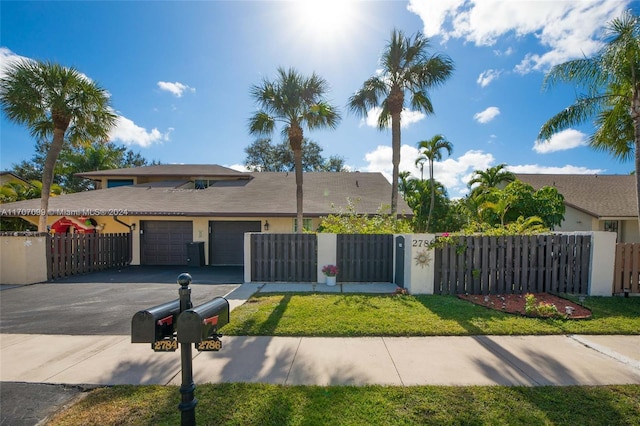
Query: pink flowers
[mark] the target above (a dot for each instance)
(330, 270)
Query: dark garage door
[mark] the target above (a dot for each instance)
(165, 242)
(226, 241)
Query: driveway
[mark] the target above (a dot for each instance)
(103, 303)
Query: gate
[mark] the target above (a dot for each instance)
(72, 254)
(365, 258)
(514, 265)
(284, 257)
(627, 269)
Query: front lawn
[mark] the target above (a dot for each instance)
(262, 404)
(345, 315)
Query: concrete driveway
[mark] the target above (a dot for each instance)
(103, 303)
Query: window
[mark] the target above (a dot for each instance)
(307, 223)
(611, 225)
(114, 183)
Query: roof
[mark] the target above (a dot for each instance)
(266, 194)
(190, 170)
(598, 195)
(12, 175)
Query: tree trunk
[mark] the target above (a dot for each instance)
(433, 194)
(47, 176)
(395, 160)
(297, 156)
(635, 115)
(295, 141)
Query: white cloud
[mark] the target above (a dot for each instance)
(129, 133)
(486, 77)
(453, 173)
(565, 29)
(177, 88)
(7, 57)
(487, 115)
(561, 141)
(407, 117)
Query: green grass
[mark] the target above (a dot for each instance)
(261, 404)
(294, 314)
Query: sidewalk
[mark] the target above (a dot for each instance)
(30, 360)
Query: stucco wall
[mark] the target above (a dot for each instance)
(23, 259)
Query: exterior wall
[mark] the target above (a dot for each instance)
(418, 275)
(327, 253)
(603, 256)
(575, 220)
(629, 232)
(23, 259)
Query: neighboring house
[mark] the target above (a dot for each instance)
(594, 202)
(9, 177)
(167, 206)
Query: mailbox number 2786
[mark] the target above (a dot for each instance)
(209, 345)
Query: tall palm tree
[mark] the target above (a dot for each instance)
(296, 102)
(432, 150)
(56, 103)
(612, 81)
(406, 69)
(490, 178)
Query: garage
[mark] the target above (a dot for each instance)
(226, 241)
(164, 242)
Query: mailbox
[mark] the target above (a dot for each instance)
(200, 325)
(157, 326)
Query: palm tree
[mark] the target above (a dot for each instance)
(406, 68)
(612, 80)
(432, 150)
(491, 178)
(58, 103)
(295, 101)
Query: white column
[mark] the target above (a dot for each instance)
(603, 257)
(327, 253)
(419, 263)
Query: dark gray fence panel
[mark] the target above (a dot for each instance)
(513, 265)
(284, 257)
(365, 258)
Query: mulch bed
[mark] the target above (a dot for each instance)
(514, 303)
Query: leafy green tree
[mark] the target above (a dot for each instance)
(77, 159)
(432, 149)
(350, 221)
(611, 79)
(519, 199)
(57, 104)
(266, 157)
(417, 193)
(407, 69)
(484, 180)
(297, 102)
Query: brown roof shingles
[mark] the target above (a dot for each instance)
(598, 195)
(271, 194)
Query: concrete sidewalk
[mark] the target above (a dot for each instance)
(402, 361)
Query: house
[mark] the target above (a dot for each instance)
(10, 177)
(168, 207)
(594, 202)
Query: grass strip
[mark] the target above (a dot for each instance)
(346, 315)
(263, 404)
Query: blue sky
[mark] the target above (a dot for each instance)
(179, 75)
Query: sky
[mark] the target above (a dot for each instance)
(179, 74)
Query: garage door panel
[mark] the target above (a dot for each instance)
(165, 242)
(226, 241)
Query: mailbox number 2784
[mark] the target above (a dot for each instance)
(167, 345)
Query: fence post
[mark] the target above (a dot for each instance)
(419, 262)
(327, 253)
(603, 255)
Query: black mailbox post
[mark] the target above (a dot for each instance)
(200, 325)
(157, 325)
(166, 325)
